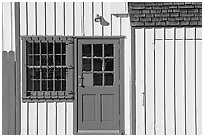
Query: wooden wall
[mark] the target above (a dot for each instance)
(74, 19)
(168, 81)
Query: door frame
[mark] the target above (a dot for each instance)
(121, 79)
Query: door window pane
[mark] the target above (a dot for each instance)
(86, 64)
(97, 64)
(97, 50)
(108, 50)
(109, 78)
(98, 79)
(109, 65)
(86, 50)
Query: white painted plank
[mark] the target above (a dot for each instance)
(139, 81)
(190, 86)
(97, 26)
(6, 26)
(169, 86)
(51, 118)
(118, 7)
(59, 18)
(69, 118)
(23, 118)
(40, 18)
(49, 18)
(23, 105)
(107, 17)
(115, 26)
(180, 116)
(69, 18)
(42, 118)
(31, 18)
(78, 18)
(87, 18)
(199, 85)
(127, 51)
(60, 119)
(22, 18)
(149, 40)
(159, 70)
(32, 118)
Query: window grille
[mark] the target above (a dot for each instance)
(45, 68)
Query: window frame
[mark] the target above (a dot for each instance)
(68, 95)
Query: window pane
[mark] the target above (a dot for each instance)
(63, 48)
(63, 59)
(86, 50)
(50, 73)
(98, 79)
(37, 85)
(44, 85)
(108, 50)
(97, 64)
(36, 73)
(50, 48)
(57, 73)
(37, 48)
(57, 48)
(86, 65)
(109, 65)
(63, 85)
(58, 60)
(30, 60)
(29, 77)
(37, 60)
(50, 60)
(50, 85)
(43, 48)
(44, 60)
(57, 85)
(109, 78)
(97, 50)
(44, 73)
(64, 73)
(29, 48)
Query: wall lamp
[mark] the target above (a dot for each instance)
(102, 21)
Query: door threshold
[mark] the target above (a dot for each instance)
(98, 132)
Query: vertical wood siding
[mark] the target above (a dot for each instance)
(74, 19)
(168, 92)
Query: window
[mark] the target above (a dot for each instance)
(45, 69)
(98, 64)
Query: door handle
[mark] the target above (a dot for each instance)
(82, 81)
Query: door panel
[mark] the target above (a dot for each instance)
(98, 85)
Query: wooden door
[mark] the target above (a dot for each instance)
(98, 86)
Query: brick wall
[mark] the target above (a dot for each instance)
(168, 14)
